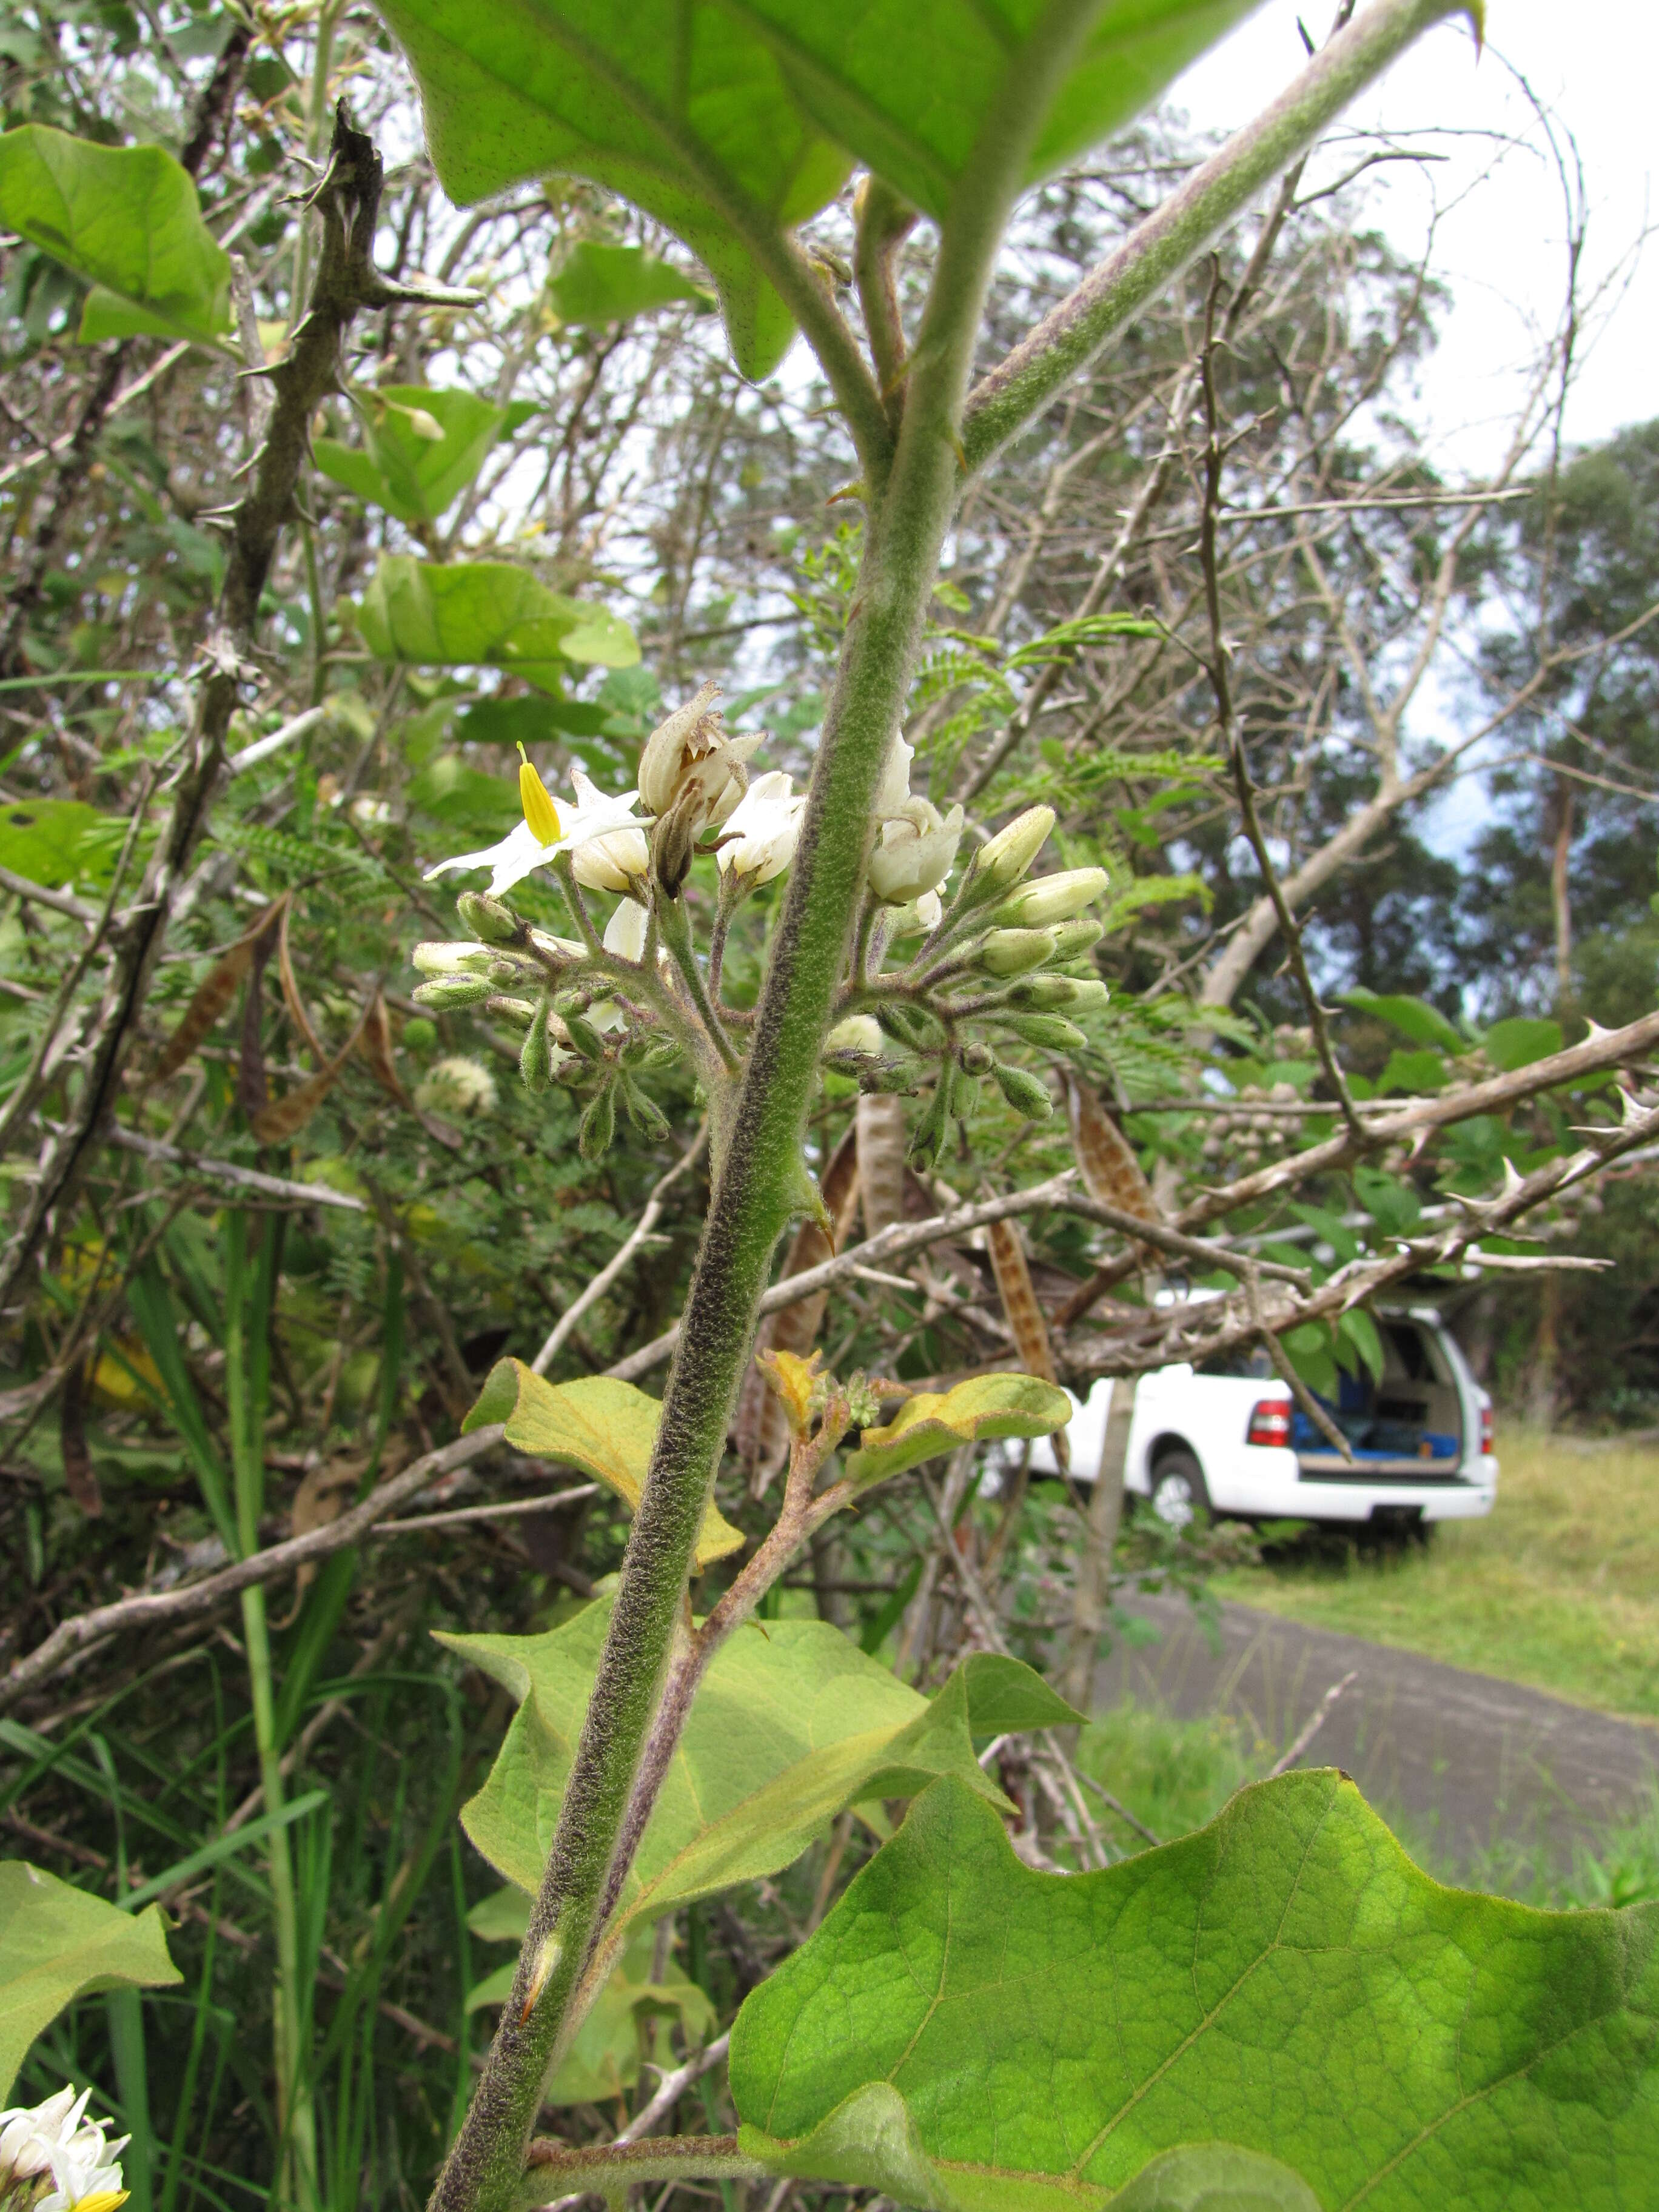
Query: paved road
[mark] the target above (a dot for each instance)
(1468, 1764)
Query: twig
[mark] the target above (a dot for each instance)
(507, 1510)
(227, 1173)
(667, 2093)
(1310, 1727)
(1116, 1805)
(64, 902)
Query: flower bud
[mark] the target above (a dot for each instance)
(978, 1058)
(536, 1056)
(491, 919)
(585, 1038)
(858, 1033)
(1073, 938)
(615, 862)
(448, 993)
(1024, 1091)
(453, 959)
(1045, 992)
(889, 1076)
(762, 831)
(1050, 899)
(597, 1130)
(644, 1113)
(519, 1011)
(999, 866)
(1011, 951)
(914, 852)
(1052, 1030)
(625, 931)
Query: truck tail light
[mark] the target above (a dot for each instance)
(1485, 1430)
(1270, 1422)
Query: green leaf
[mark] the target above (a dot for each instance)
(604, 1427)
(58, 1943)
(791, 1724)
(1414, 1072)
(1392, 1203)
(1413, 1018)
(614, 283)
(931, 1423)
(965, 2033)
(400, 467)
(1361, 1330)
(605, 2057)
(1519, 1041)
(1216, 2177)
(484, 614)
(126, 218)
(56, 841)
(733, 125)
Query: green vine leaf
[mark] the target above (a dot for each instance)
(975, 2037)
(400, 464)
(791, 1724)
(126, 218)
(476, 614)
(604, 1427)
(733, 125)
(58, 1943)
(933, 1422)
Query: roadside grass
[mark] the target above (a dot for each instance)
(1557, 1588)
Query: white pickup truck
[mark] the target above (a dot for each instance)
(1229, 1437)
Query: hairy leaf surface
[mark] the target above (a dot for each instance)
(791, 1724)
(733, 124)
(58, 1943)
(968, 2034)
(126, 218)
(934, 1422)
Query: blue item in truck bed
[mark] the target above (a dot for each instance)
(1376, 1440)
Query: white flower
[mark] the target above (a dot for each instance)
(616, 862)
(763, 831)
(895, 786)
(576, 824)
(624, 933)
(460, 958)
(914, 852)
(57, 2136)
(691, 750)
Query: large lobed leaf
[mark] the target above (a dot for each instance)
(58, 1943)
(791, 1724)
(400, 464)
(604, 1427)
(127, 219)
(474, 614)
(731, 122)
(967, 2034)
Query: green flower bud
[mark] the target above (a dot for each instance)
(999, 866)
(598, 1124)
(1052, 1030)
(927, 1139)
(643, 1112)
(905, 1025)
(519, 1011)
(1047, 991)
(1052, 898)
(1011, 951)
(1026, 1093)
(890, 1076)
(978, 1058)
(491, 919)
(447, 992)
(1073, 938)
(536, 1056)
(419, 1034)
(585, 1039)
(453, 959)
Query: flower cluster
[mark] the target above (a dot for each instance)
(998, 959)
(56, 2142)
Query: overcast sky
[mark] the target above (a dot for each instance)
(1596, 65)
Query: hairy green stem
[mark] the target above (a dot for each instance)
(1156, 251)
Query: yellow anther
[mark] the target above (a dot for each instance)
(539, 812)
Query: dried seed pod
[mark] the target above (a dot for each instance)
(1025, 1316)
(285, 1117)
(879, 1124)
(213, 993)
(1105, 1158)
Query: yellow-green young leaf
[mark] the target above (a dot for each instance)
(967, 2034)
(933, 1423)
(399, 465)
(605, 2057)
(604, 1427)
(728, 123)
(599, 284)
(126, 218)
(58, 1943)
(792, 1723)
(474, 614)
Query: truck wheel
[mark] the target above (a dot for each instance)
(1178, 1489)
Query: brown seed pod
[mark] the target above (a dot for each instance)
(213, 994)
(761, 1431)
(1105, 1158)
(1026, 1316)
(285, 1117)
(881, 1148)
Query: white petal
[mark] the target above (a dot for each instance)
(624, 933)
